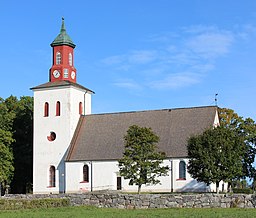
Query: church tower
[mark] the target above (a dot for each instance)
(63, 52)
(58, 104)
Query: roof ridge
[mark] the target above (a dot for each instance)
(142, 111)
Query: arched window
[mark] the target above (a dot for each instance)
(46, 109)
(58, 108)
(85, 173)
(80, 108)
(70, 59)
(52, 176)
(182, 170)
(58, 58)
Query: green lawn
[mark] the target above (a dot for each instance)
(89, 212)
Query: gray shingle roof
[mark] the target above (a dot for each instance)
(100, 136)
(62, 83)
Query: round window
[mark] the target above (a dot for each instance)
(52, 136)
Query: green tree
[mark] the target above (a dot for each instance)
(246, 129)
(23, 145)
(216, 155)
(141, 162)
(6, 139)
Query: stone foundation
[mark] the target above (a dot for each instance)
(144, 201)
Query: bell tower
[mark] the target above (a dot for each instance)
(63, 57)
(58, 105)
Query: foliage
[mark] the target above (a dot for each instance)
(6, 139)
(216, 155)
(246, 129)
(141, 162)
(14, 204)
(23, 144)
(243, 190)
(240, 184)
(16, 143)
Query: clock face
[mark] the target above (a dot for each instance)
(56, 73)
(73, 75)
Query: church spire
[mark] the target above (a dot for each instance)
(63, 38)
(63, 28)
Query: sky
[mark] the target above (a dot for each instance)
(137, 54)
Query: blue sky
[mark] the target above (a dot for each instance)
(137, 54)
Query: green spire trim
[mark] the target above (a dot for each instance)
(63, 38)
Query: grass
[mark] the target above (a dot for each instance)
(88, 211)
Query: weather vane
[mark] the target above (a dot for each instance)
(216, 100)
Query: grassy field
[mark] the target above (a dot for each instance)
(89, 212)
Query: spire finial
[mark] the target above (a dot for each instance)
(63, 29)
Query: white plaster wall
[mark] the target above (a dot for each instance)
(216, 120)
(165, 183)
(74, 177)
(189, 184)
(104, 177)
(46, 153)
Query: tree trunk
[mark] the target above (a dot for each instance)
(139, 189)
(217, 187)
(229, 187)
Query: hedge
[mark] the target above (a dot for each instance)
(242, 190)
(15, 204)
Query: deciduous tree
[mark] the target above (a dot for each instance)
(23, 144)
(216, 155)
(246, 129)
(141, 161)
(6, 139)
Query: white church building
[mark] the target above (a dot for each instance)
(76, 151)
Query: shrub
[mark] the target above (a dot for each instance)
(243, 190)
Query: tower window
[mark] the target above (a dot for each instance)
(80, 108)
(46, 109)
(70, 59)
(182, 170)
(58, 58)
(85, 173)
(58, 108)
(65, 73)
(52, 173)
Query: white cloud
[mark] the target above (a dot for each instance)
(210, 45)
(142, 56)
(175, 81)
(112, 60)
(128, 84)
(189, 54)
(247, 32)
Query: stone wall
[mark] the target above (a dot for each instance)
(131, 201)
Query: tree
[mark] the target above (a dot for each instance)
(246, 129)
(6, 139)
(141, 162)
(23, 145)
(216, 155)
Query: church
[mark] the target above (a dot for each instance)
(75, 151)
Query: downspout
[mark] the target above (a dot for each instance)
(91, 178)
(171, 175)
